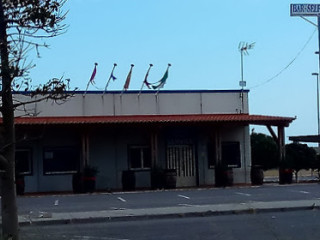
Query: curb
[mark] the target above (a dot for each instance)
(23, 221)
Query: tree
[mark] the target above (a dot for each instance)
(299, 156)
(264, 151)
(24, 24)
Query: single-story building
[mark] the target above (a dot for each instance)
(190, 131)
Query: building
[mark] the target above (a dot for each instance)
(190, 131)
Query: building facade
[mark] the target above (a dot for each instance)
(192, 132)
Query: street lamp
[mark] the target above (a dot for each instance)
(317, 75)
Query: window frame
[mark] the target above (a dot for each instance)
(212, 154)
(142, 165)
(30, 161)
(74, 150)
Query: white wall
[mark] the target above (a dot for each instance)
(133, 103)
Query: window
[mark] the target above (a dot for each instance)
(61, 160)
(231, 154)
(139, 157)
(211, 154)
(23, 161)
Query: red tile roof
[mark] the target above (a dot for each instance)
(191, 118)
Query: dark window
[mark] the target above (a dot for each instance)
(24, 161)
(231, 154)
(139, 157)
(60, 160)
(211, 154)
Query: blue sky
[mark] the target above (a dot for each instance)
(200, 39)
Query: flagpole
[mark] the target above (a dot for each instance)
(111, 77)
(145, 78)
(91, 78)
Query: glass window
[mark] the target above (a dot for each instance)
(23, 159)
(139, 157)
(231, 154)
(64, 160)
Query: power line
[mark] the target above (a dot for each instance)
(287, 66)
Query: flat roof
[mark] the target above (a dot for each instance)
(243, 119)
(145, 91)
(306, 138)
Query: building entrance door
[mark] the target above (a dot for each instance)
(182, 158)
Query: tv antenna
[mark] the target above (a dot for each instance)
(243, 48)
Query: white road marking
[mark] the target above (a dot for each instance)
(186, 205)
(243, 194)
(183, 196)
(121, 199)
(305, 192)
(56, 202)
(96, 238)
(117, 208)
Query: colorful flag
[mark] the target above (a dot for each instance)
(93, 74)
(126, 85)
(145, 81)
(163, 80)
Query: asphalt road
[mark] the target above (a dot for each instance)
(298, 225)
(134, 200)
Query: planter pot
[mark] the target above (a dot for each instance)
(128, 180)
(256, 175)
(224, 177)
(157, 179)
(170, 178)
(20, 185)
(89, 184)
(285, 176)
(83, 184)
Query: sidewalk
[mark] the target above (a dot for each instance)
(183, 210)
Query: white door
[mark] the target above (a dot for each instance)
(182, 158)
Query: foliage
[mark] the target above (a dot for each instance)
(264, 151)
(299, 156)
(28, 23)
(315, 164)
(24, 25)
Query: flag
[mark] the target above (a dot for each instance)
(126, 85)
(111, 77)
(163, 80)
(93, 74)
(145, 81)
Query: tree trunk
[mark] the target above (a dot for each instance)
(8, 200)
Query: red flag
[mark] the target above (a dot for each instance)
(93, 74)
(126, 85)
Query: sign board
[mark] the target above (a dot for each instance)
(305, 9)
(242, 83)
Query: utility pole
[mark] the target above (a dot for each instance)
(303, 11)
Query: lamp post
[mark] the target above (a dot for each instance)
(317, 75)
